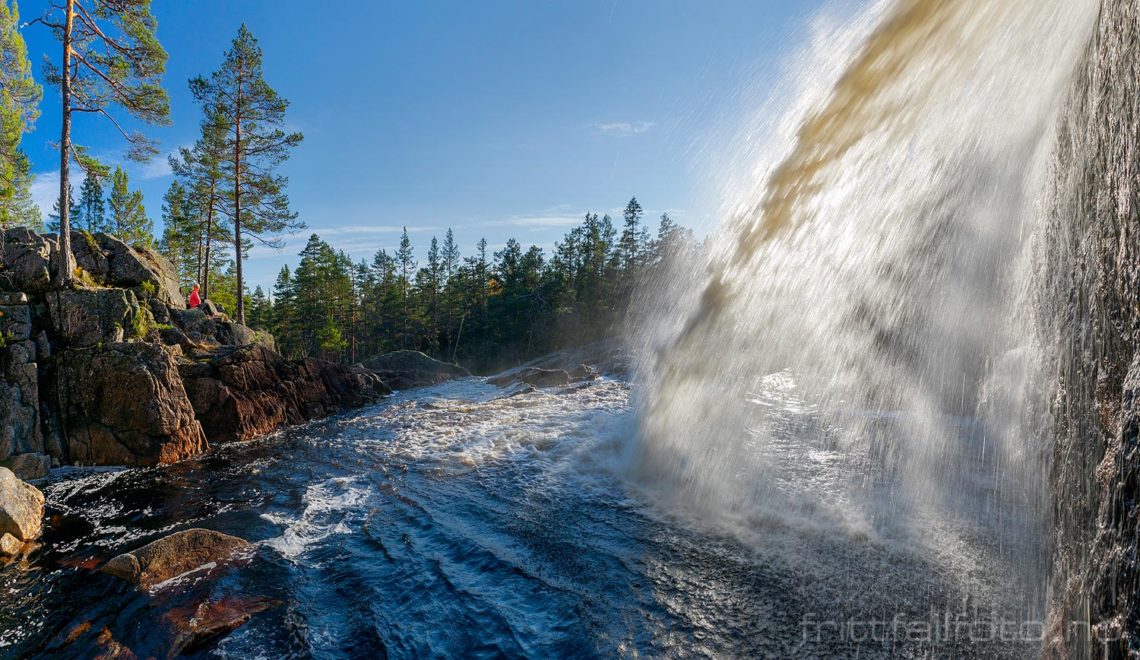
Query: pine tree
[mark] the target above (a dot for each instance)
(19, 108)
(110, 57)
(450, 269)
(179, 240)
(256, 145)
(20, 210)
(434, 272)
(407, 264)
(91, 211)
(632, 235)
(284, 314)
(260, 310)
(53, 217)
(128, 216)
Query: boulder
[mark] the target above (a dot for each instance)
(174, 555)
(125, 404)
(21, 507)
(581, 364)
(211, 308)
(406, 369)
(25, 261)
(583, 372)
(10, 546)
(89, 317)
(239, 393)
(546, 377)
(533, 376)
(112, 262)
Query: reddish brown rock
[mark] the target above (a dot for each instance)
(171, 556)
(124, 404)
(194, 627)
(239, 393)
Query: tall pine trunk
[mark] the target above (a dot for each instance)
(239, 312)
(65, 265)
(201, 251)
(212, 199)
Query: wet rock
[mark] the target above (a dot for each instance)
(584, 373)
(25, 261)
(407, 369)
(601, 357)
(21, 507)
(174, 555)
(575, 387)
(546, 377)
(520, 390)
(125, 404)
(193, 629)
(10, 546)
(532, 376)
(90, 317)
(239, 393)
(111, 648)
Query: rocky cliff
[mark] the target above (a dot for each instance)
(116, 371)
(1091, 313)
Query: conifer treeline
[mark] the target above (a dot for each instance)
(121, 212)
(483, 310)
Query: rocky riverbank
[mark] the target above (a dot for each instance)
(116, 371)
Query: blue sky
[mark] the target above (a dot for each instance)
(498, 118)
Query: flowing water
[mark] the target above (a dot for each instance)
(458, 521)
(838, 444)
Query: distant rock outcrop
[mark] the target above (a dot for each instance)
(576, 365)
(406, 369)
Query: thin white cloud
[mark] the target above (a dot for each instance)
(365, 230)
(623, 128)
(157, 167)
(537, 221)
(45, 188)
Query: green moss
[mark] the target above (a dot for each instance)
(92, 244)
(84, 278)
(148, 289)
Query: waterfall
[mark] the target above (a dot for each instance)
(902, 288)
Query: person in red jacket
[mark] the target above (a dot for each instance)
(195, 299)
